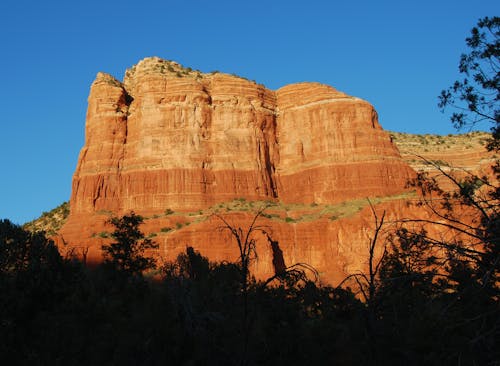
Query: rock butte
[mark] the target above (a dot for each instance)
(170, 137)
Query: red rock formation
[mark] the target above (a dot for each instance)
(332, 147)
(168, 137)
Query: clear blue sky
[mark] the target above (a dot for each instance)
(398, 55)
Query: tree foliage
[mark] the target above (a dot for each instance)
(440, 274)
(23, 251)
(128, 252)
(476, 96)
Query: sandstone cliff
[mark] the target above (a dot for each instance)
(170, 137)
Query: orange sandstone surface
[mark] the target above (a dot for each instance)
(168, 137)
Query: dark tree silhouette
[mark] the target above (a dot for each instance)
(440, 275)
(21, 250)
(127, 253)
(476, 97)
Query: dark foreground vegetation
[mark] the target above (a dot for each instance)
(55, 311)
(432, 297)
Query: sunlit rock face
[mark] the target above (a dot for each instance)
(171, 137)
(332, 147)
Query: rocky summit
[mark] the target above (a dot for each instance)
(176, 146)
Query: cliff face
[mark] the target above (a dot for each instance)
(160, 141)
(332, 147)
(170, 137)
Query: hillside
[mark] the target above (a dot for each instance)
(460, 154)
(51, 221)
(466, 150)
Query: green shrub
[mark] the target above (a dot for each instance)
(103, 234)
